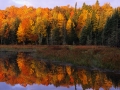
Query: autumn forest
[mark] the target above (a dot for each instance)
(64, 25)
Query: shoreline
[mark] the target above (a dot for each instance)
(94, 57)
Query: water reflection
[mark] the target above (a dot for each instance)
(23, 70)
(4, 86)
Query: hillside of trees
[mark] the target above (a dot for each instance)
(65, 25)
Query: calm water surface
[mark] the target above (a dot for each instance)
(24, 71)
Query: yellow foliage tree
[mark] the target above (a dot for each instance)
(23, 30)
(60, 20)
(21, 34)
(68, 25)
(40, 29)
(81, 22)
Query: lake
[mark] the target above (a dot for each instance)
(25, 71)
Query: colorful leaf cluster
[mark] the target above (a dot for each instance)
(87, 25)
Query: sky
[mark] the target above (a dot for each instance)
(53, 3)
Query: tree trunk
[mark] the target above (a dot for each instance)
(40, 39)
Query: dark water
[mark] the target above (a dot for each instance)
(24, 71)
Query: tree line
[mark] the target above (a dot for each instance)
(88, 25)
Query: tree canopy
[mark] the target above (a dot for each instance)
(88, 25)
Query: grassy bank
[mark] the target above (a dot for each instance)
(107, 58)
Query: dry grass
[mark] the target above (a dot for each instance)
(90, 56)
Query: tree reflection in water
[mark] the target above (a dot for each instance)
(24, 69)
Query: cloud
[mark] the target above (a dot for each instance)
(23, 2)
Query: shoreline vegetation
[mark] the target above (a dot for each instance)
(94, 57)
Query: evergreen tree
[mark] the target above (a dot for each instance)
(111, 32)
(86, 34)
